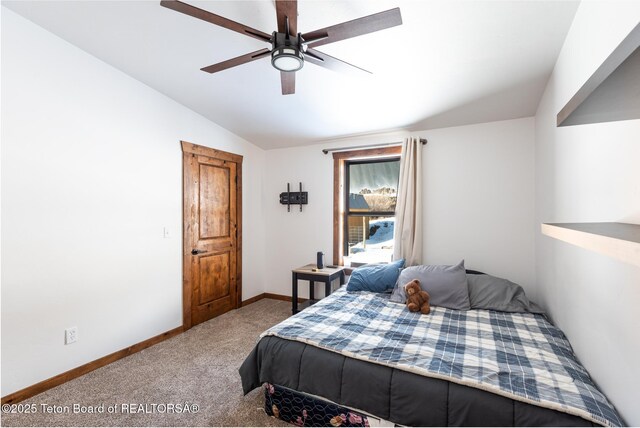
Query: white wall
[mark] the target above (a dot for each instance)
(479, 188)
(479, 184)
(590, 173)
(91, 173)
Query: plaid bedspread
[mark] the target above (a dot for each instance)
(517, 355)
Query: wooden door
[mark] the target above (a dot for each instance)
(212, 213)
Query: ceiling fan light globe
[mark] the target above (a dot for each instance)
(287, 59)
(287, 63)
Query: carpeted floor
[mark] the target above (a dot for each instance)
(199, 366)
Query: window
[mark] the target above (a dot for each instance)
(371, 188)
(365, 193)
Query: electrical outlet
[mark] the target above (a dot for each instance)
(70, 335)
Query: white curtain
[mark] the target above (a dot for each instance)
(407, 237)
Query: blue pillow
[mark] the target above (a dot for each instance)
(376, 278)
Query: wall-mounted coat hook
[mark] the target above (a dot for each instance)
(288, 198)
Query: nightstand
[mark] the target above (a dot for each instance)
(326, 275)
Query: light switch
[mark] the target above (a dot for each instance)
(166, 233)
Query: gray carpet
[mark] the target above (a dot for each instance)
(199, 366)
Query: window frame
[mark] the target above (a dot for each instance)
(340, 160)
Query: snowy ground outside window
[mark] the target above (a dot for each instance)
(379, 246)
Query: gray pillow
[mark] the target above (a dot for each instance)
(447, 285)
(498, 294)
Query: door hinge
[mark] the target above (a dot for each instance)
(236, 179)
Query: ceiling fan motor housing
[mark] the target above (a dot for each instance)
(287, 53)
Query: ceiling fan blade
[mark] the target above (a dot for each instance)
(195, 12)
(288, 80)
(357, 27)
(237, 61)
(316, 57)
(287, 9)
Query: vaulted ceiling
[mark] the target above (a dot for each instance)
(450, 63)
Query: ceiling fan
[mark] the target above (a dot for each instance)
(289, 48)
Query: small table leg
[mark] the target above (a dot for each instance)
(294, 293)
(327, 287)
(312, 290)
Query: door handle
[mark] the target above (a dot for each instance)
(196, 252)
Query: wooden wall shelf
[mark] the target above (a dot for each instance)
(618, 240)
(611, 93)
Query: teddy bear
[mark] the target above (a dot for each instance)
(417, 299)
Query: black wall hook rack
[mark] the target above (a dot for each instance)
(289, 198)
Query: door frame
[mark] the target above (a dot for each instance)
(190, 150)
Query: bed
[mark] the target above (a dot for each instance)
(368, 356)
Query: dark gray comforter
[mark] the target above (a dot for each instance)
(395, 395)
